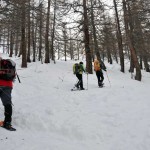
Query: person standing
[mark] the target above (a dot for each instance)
(98, 69)
(5, 95)
(78, 70)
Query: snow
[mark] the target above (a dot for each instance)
(49, 116)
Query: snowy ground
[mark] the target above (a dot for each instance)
(49, 116)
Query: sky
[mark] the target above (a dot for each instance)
(49, 116)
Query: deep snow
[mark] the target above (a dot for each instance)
(49, 116)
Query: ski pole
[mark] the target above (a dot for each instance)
(108, 78)
(87, 80)
(18, 78)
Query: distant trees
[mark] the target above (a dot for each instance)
(45, 30)
(129, 30)
(134, 30)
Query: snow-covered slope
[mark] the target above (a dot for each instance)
(49, 116)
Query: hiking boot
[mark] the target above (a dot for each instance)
(100, 84)
(82, 88)
(8, 126)
(77, 86)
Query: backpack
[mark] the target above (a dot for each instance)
(7, 70)
(77, 68)
(97, 66)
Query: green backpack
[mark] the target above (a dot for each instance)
(77, 68)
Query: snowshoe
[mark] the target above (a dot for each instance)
(100, 84)
(82, 88)
(7, 126)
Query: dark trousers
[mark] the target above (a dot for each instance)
(5, 95)
(8, 113)
(80, 82)
(100, 77)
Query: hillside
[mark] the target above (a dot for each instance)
(49, 116)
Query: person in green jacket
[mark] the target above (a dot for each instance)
(78, 70)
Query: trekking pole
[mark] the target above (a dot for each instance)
(18, 78)
(108, 78)
(87, 81)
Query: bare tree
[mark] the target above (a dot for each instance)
(53, 33)
(29, 34)
(86, 39)
(23, 38)
(94, 33)
(119, 37)
(129, 33)
(47, 51)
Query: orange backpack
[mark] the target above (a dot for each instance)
(97, 65)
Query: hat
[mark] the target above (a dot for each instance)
(81, 62)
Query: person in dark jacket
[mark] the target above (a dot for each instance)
(5, 95)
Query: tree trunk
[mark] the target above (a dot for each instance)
(11, 44)
(131, 65)
(109, 55)
(94, 33)
(58, 47)
(16, 43)
(141, 65)
(29, 35)
(23, 40)
(65, 40)
(119, 37)
(129, 34)
(8, 41)
(47, 54)
(40, 34)
(53, 33)
(86, 40)
(33, 41)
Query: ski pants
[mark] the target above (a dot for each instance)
(100, 76)
(5, 95)
(80, 82)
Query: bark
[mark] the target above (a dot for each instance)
(11, 44)
(8, 41)
(47, 51)
(23, 39)
(71, 47)
(86, 40)
(53, 34)
(130, 39)
(16, 43)
(109, 56)
(29, 35)
(119, 37)
(94, 33)
(65, 40)
(40, 34)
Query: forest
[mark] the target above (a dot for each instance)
(47, 30)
